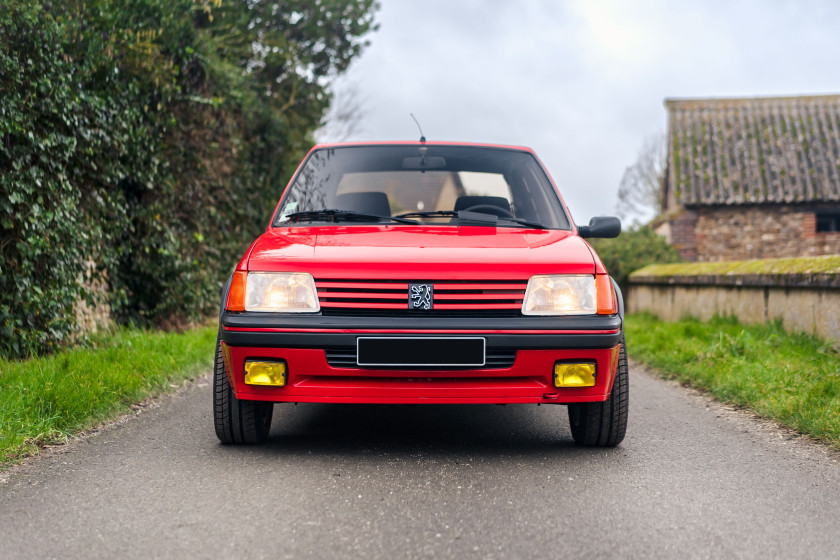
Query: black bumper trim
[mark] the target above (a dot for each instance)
(316, 321)
(511, 341)
(494, 341)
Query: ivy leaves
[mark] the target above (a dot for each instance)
(140, 151)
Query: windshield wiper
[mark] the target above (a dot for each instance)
(520, 221)
(335, 215)
(429, 214)
(468, 216)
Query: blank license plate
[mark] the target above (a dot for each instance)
(420, 351)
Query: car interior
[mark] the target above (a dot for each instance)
(377, 203)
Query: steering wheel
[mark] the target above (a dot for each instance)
(490, 209)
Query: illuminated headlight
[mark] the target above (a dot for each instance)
(560, 295)
(287, 292)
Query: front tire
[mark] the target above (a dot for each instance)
(603, 424)
(237, 421)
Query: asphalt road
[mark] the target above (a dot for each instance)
(693, 479)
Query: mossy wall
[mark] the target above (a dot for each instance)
(804, 293)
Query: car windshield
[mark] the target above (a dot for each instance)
(422, 184)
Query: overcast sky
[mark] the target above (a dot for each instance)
(582, 82)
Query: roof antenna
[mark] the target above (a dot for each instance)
(422, 137)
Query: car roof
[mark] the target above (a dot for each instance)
(417, 143)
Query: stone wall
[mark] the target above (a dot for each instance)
(804, 303)
(678, 229)
(96, 315)
(726, 233)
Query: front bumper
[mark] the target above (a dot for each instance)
(537, 343)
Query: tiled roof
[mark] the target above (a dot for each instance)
(746, 151)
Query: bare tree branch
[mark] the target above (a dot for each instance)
(640, 190)
(344, 117)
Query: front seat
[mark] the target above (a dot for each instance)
(372, 202)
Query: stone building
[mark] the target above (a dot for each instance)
(752, 178)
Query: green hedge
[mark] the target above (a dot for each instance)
(152, 138)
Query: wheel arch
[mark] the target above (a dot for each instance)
(225, 290)
(620, 298)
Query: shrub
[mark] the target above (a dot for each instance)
(152, 137)
(636, 247)
(57, 141)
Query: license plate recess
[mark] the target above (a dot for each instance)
(420, 351)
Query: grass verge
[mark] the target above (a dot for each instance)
(791, 378)
(48, 399)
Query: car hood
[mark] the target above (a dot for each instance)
(411, 252)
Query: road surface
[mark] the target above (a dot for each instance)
(693, 479)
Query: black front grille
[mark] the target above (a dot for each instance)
(345, 357)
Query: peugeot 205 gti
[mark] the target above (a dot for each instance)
(422, 273)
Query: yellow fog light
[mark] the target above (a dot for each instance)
(574, 375)
(265, 373)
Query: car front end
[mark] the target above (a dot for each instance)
(499, 301)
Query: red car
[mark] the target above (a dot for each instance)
(422, 273)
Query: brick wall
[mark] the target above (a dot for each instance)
(758, 232)
(684, 235)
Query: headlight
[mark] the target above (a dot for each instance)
(287, 292)
(560, 295)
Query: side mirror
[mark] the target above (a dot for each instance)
(601, 226)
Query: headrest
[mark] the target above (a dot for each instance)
(366, 202)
